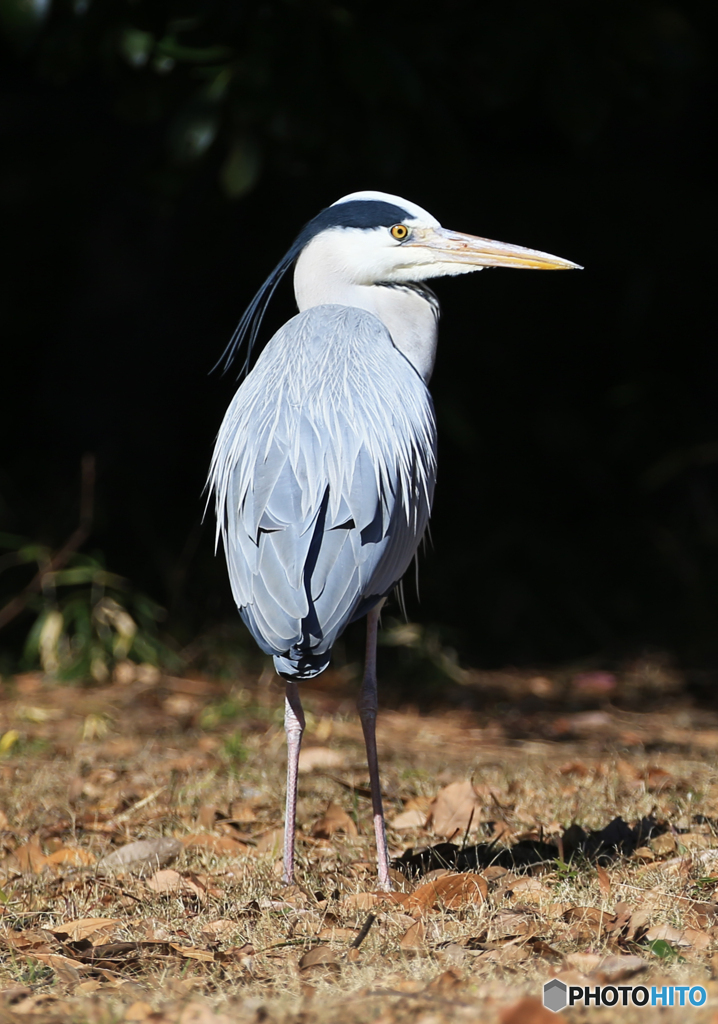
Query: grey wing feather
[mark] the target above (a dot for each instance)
(323, 475)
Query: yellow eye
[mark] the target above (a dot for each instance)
(399, 232)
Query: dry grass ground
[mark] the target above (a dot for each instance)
(198, 929)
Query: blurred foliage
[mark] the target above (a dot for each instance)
(159, 157)
(87, 620)
(285, 83)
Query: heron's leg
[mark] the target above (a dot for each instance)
(294, 727)
(367, 705)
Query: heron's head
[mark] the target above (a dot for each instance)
(370, 238)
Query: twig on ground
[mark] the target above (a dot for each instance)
(72, 544)
(356, 943)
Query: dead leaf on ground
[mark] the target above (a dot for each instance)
(449, 981)
(74, 856)
(66, 968)
(318, 960)
(270, 842)
(336, 934)
(587, 922)
(241, 812)
(663, 845)
(578, 768)
(659, 778)
(527, 1011)
(367, 900)
(169, 881)
(84, 927)
(697, 841)
(583, 962)
(335, 819)
(25, 940)
(526, 888)
(640, 920)
(141, 857)
(453, 808)
(207, 816)
(448, 891)
(138, 1011)
(679, 936)
(624, 913)
(221, 846)
(510, 924)
(320, 757)
(511, 953)
(644, 854)
(192, 952)
(678, 866)
(604, 882)
(201, 1013)
(30, 857)
(219, 929)
(614, 969)
(414, 937)
(406, 820)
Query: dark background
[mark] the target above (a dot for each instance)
(157, 158)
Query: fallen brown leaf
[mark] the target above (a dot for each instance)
(638, 923)
(335, 819)
(207, 816)
(219, 929)
(590, 918)
(664, 845)
(320, 960)
(604, 882)
(170, 881)
(75, 856)
(367, 900)
(449, 891)
(192, 952)
(509, 924)
(583, 962)
(30, 857)
(138, 1011)
(527, 1011)
(413, 818)
(614, 969)
(505, 955)
(202, 1013)
(414, 937)
(448, 981)
(336, 934)
(453, 808)
(221, 846)
(270, 842)
(319, 757)
(679, 937)
(84, 927)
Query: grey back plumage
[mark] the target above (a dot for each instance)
(323, 475)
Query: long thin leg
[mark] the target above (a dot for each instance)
(367, 705)
(294, 727)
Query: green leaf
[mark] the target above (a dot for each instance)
(664, 950)
(239, 172)
(169, 47)
(136, 46)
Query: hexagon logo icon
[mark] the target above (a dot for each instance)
(554, 995)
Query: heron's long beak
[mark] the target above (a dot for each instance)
(454, 247)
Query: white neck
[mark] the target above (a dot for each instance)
(410, 319)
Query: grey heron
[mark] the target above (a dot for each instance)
(324, 467)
